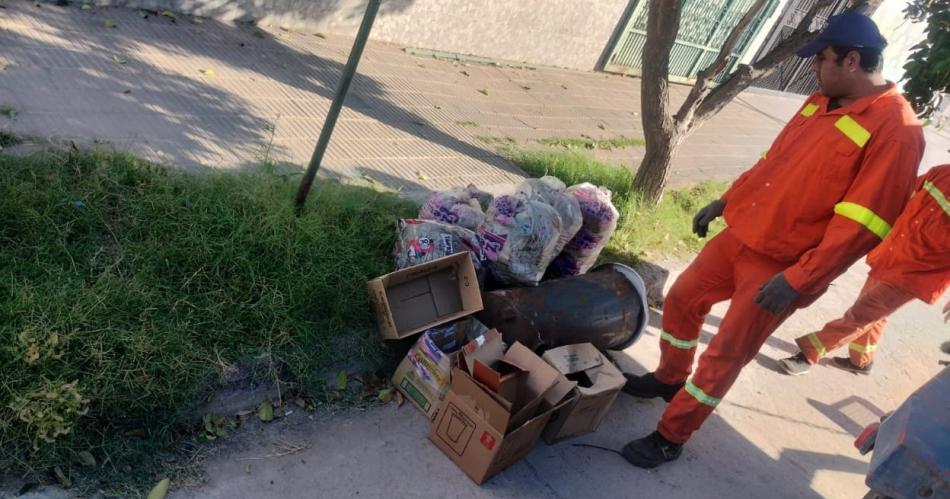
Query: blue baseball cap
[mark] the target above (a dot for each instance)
(848, 29)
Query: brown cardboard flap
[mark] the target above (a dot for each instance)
(484, 405)
(570, 359)
(487, 349)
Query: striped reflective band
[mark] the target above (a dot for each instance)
(862, 348)
(678, 343)
(864, 217)
(853, 130)
(815, 342)
(809, 110)
(938, 196)
(700, 395)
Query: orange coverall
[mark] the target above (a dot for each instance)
(825, 193)
(913, 261)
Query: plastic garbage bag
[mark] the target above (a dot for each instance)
(421, 241)
(552, 191)
(600, 221)
(518, 238)
(456, 207)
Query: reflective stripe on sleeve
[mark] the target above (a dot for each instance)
(865, 217)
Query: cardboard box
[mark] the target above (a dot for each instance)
(484, 433)
(412, 300)
(423, 375)
(598, 384)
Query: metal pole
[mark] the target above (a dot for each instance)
(348, 71)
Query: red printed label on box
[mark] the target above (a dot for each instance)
(488, 441)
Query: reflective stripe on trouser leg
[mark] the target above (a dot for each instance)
(811, 346)
(706, 281)
(863, 324)
(742, 332)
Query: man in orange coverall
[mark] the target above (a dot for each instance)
(913, 261)
(822, 196)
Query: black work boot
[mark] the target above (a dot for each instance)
(845, 363)
(651, 451)
(795, 366)
(648, 387)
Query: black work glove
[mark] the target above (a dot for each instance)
(709, 213)
(776, 295)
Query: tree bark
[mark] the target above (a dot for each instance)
(659, 131)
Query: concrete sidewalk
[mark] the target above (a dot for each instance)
(226, 96)
(773, 436)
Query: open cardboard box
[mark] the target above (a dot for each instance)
(483, 432)
(598, 384)
(417, 298)
(423, 375)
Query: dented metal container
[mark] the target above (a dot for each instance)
(606, 307)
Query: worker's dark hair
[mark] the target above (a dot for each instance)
(872, 60)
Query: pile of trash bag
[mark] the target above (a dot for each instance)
(544, 228)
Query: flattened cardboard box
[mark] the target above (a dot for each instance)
(476, 429)
(417, 298)
(423, 375)
(599, 383)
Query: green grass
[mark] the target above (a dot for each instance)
(8, 139)
(141, 284)
(644, 232)
(8, 111)
(589, 143)
(574, 167)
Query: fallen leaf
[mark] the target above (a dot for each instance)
(143, 14)
(265, 411)
(342, 380)
(247, 468)
(602, 126)
(86, 458)
(483, 91)
(3, 64)
(86, 6)
(169, 14)
(126, 91)
(109, 23)
(197, 20)
(301, 403)
(400, 400)
(320, 35)
(369, 179)
(465, 73)
(118, 60)
(62, 478)
(525, 87)
(160, 490)
(386, 395)
(208, 72)
(421, 176)
(564, 86)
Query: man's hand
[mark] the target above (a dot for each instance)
(946, 312)
(709, 213)
(776, 295)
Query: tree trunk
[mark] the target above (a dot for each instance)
(654, 171)
(659, 131)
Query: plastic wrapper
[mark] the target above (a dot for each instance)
(551, 190)
(519, 238)
(459, 206)
(421, 241)
(600, 221)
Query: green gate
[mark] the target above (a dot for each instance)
(704, 27)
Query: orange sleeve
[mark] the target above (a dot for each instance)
(862, 219)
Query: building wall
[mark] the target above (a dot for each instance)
(564, 33)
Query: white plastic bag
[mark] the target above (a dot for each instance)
(421, 241)
(455, 207)
(600, 221)
(552, 191)
(518, 238)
